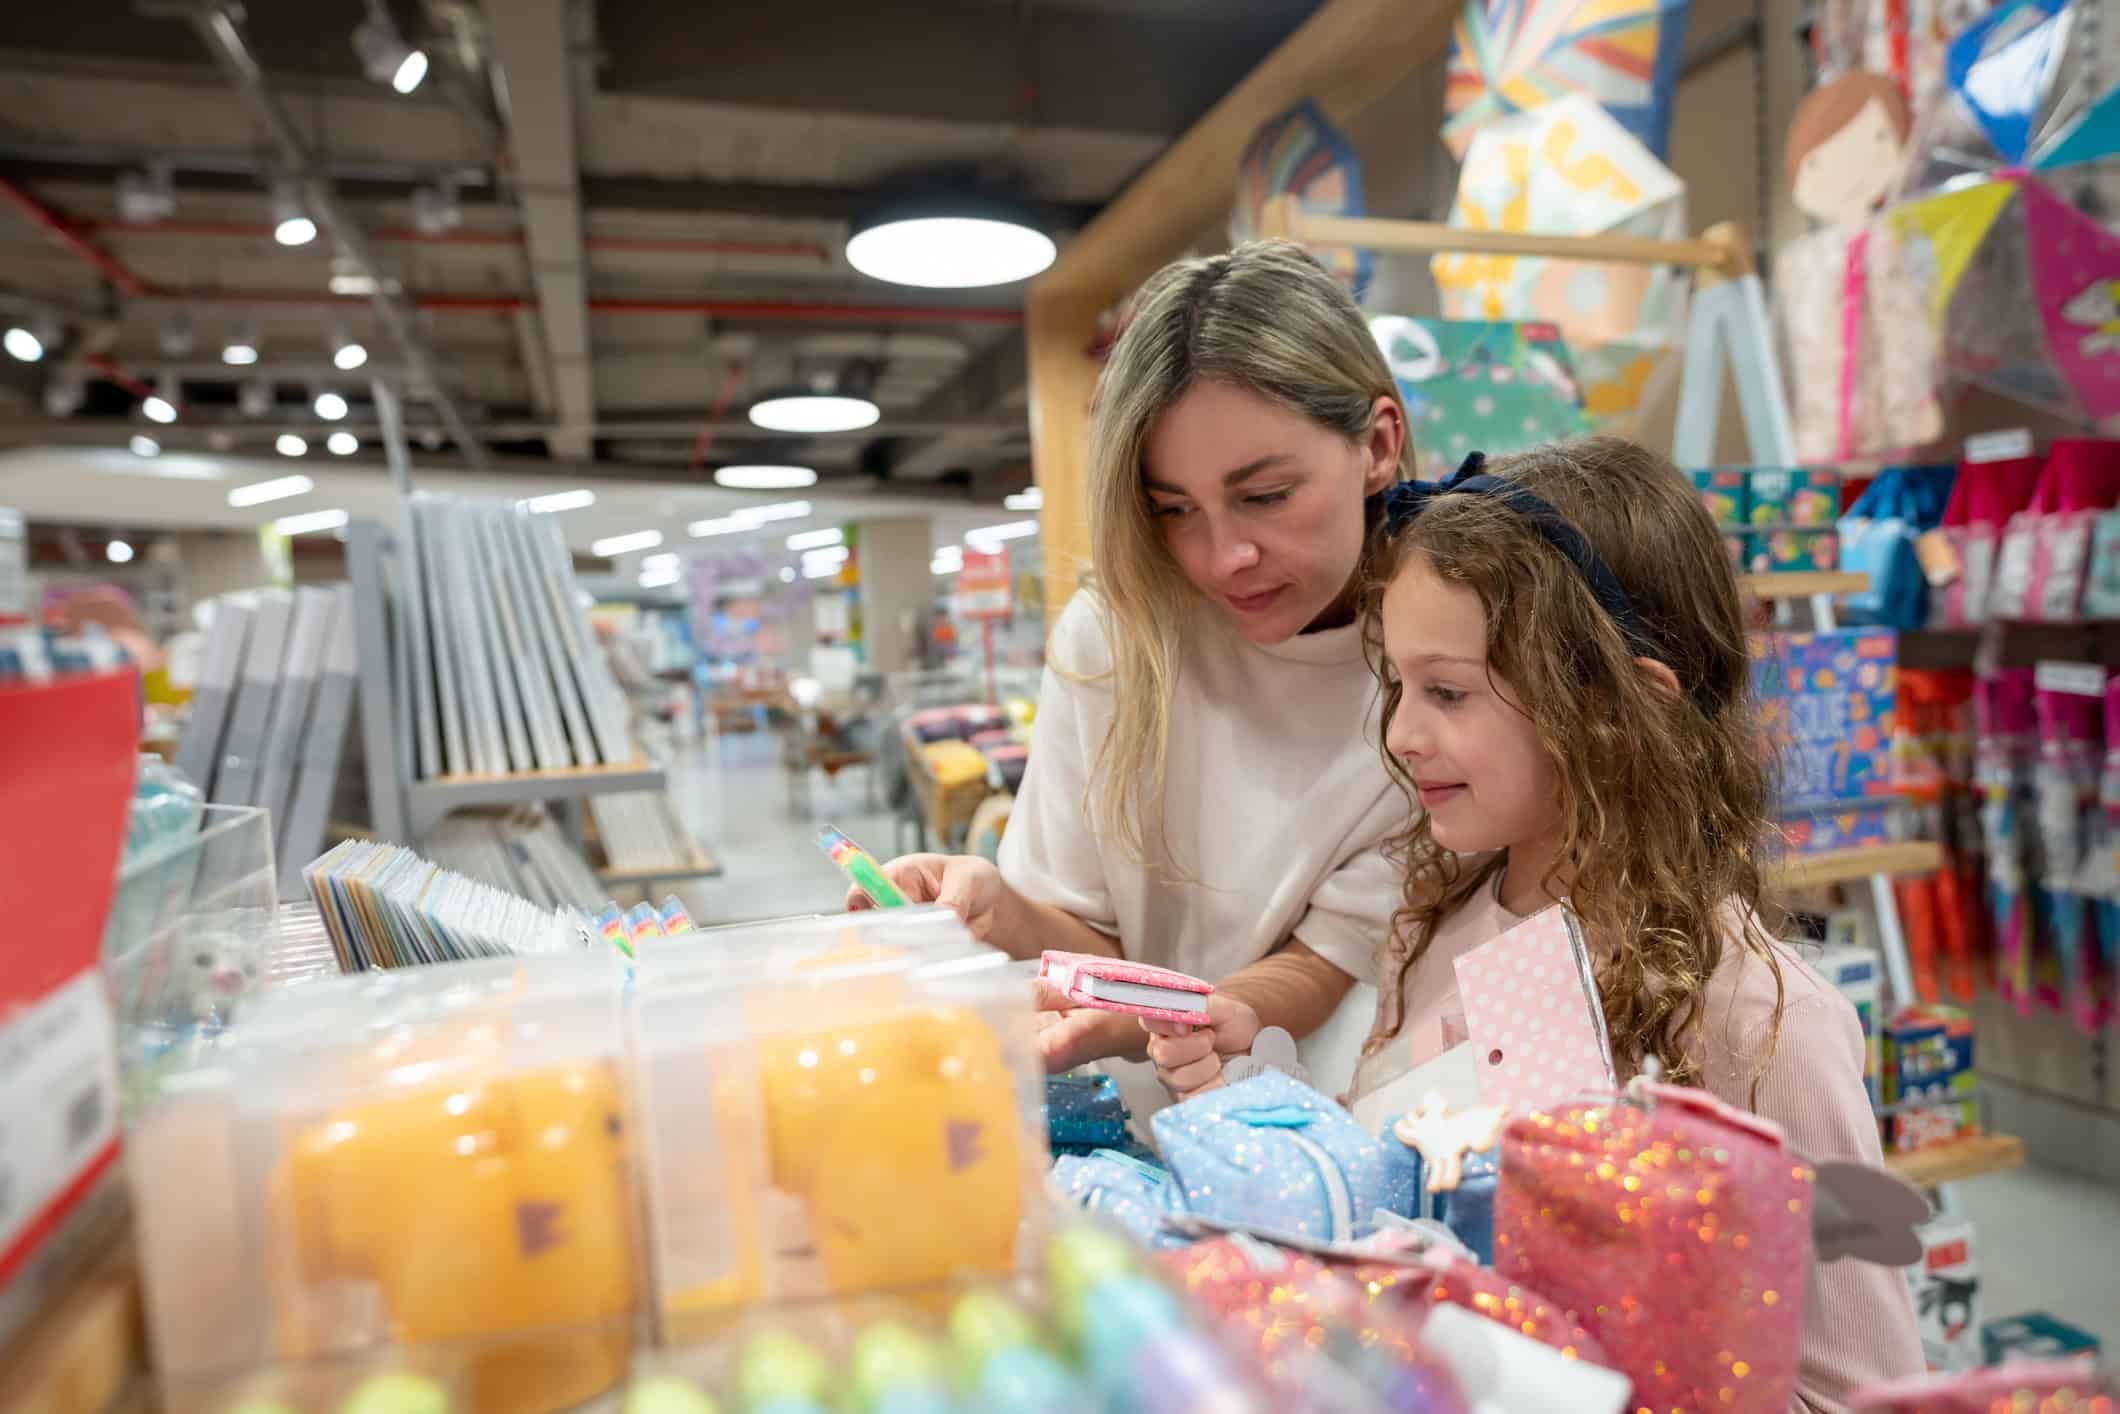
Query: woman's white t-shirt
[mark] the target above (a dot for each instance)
(1276, 806)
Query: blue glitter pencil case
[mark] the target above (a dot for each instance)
(1132, 1192)
(1084, 1110)
(1468, 1209)
(1273, 1155)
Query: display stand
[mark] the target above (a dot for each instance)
(1728, 318)
(404, 809)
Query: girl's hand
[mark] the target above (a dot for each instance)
(965, 884)
(1069, 1035)
(1189, 1056)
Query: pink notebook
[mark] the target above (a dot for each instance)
(1114, 984)
(1531, 1010)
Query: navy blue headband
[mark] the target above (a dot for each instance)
(1407, 499)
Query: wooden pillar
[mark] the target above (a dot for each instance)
(1058, 329)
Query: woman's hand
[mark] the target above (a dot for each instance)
(1189, 1056)
(1070, 1035)
(967, 885)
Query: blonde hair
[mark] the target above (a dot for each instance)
(1663, 797)
(1265, 318)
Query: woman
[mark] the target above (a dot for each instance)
(1204, 792)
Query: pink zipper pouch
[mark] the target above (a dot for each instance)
(1677, 1229)
(1134, 988)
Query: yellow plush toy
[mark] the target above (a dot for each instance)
(473, 1209)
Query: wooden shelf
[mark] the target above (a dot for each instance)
(701, 866)
(1802, 584)
(1841, 866)
(1959, 1160)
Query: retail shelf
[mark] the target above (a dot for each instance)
(1844, 866)
(1803, 584)
(702, 865)
(1958, 1160)
(429, 801)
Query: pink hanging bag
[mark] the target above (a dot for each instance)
(1677, 1230)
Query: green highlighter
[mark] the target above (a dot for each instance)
(857, 864)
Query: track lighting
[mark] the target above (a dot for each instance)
(347, 354)
(385, 55)
(146, 196)
(330, 406)
(290, 217)
(161, 404)
(241, 350)
(255, 397)
(30, 339)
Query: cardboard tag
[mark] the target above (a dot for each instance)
(1531, 1008)
(1866, 1214)
(2010, 444)
(2082, 679)
(1452, 1075)
(1938, 558)
(1272, 1049)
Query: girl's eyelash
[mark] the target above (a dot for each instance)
(1445, 696)
(1268, 498)
(1163, 512)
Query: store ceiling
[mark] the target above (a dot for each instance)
(654, 201)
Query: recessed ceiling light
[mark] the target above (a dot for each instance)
(616, 545)
(803, 411)
(291, 444)
(348, 354)
(815, 539)
(766, 478)
(561, 501)
(161, 405)
(342, 444)
(949, 239)
(239, 352)
(309, 521)
(277, 489)
(118, 552)
(144, 446)
(330, 406)
(660, 578)
(994, 534)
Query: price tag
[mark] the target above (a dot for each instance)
(2082, 679)
(2008, 445)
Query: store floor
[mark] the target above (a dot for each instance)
(2044, 1238)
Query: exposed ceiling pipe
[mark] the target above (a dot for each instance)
(405, 235)
(762, 311)
(217, 27)
(108, 265)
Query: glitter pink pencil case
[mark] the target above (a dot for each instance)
(1677, 1230)
(1114, 984)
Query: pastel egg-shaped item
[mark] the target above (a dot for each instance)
(1023, 1379)
(779, 1366)
(1081, 1257)
(889, 1355)
(915, 1399)
(396, 1392)
(1181, 1371)
(668, 1394)
(984, 1323)
(1117, 1316)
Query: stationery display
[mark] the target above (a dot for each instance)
(385, 907)
(520, 851)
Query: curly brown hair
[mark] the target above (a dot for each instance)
(1664, 797)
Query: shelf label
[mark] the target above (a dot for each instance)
(2082, 679)
(2008, 445)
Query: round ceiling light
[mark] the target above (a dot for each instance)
(764, 478)
(800, 410)
(948, 232)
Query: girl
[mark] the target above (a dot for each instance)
(1195, 798)
(1567, 695)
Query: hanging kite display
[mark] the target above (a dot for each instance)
(1512, 56)
(1299, 154)
(2001, 225)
